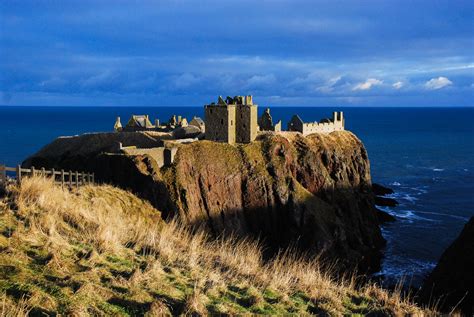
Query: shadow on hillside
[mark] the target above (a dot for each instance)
(341, 225)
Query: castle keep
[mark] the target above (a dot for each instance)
(233, 120)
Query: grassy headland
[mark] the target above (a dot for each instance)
(99, 250)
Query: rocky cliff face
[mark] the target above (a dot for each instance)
(310, 192)
(452, 281)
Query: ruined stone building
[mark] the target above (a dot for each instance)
(135, 123)
(177, 121)
(323, 126)
(265, 122)
(232, 121)
(198, 122)
(163, 155)
(118, 125)
(143, 123)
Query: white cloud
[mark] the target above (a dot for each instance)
(398, 85)
(368, 84)
(437, 83)
(103, 78)
(330, 84)
(260, 80)
(185, 80)
(54, 82)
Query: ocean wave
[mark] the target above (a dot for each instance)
(405, 270)
(444, 214)
(420, 190)
(438, 169)
(406, 215)
(394, 184)
(399, 196)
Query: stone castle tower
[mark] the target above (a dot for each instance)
(233, 120)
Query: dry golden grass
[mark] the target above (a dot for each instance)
(99, 250)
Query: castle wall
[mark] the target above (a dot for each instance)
(156, 153)
(246, 123)
(168, 155)
(277, 127)
(220, 123)
(336, 124)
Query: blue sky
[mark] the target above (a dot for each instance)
(300, 53)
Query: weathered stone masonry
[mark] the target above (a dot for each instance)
(233, 120)
(323, 126)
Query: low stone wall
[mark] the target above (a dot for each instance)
(156, 153)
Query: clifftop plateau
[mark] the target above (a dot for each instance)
(311, 192)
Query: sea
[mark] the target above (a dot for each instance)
(425, 154)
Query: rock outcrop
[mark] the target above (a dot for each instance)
(311, 192)
(451, 283)
(381, 190)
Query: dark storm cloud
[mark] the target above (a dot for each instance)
(285, 52)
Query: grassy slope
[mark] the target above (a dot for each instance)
(100, 250)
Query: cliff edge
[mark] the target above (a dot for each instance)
(312, 192)
(452, 281)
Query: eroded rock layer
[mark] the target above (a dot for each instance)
(311, 192)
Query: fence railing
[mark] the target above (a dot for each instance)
(61, 177)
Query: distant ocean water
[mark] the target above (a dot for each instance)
(425, 154)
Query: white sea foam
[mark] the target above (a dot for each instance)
(403, 196)
(420, 190)
(409, 197)
(410, 216)
(438, 169)
(396, 267)
(445, 215)
(395, 184)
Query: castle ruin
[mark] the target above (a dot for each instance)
(323, 126)
(233, 120)
(265, 122)
(143, 123)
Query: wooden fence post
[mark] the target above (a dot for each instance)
(77, 179)
(53, 176)
(70, 178)
(93, 178)
(43, 172)
(33, 171)
(62, 178)
(18, 174)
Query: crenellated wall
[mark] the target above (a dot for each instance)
(324, 126)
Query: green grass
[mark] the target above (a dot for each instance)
(53, 266)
